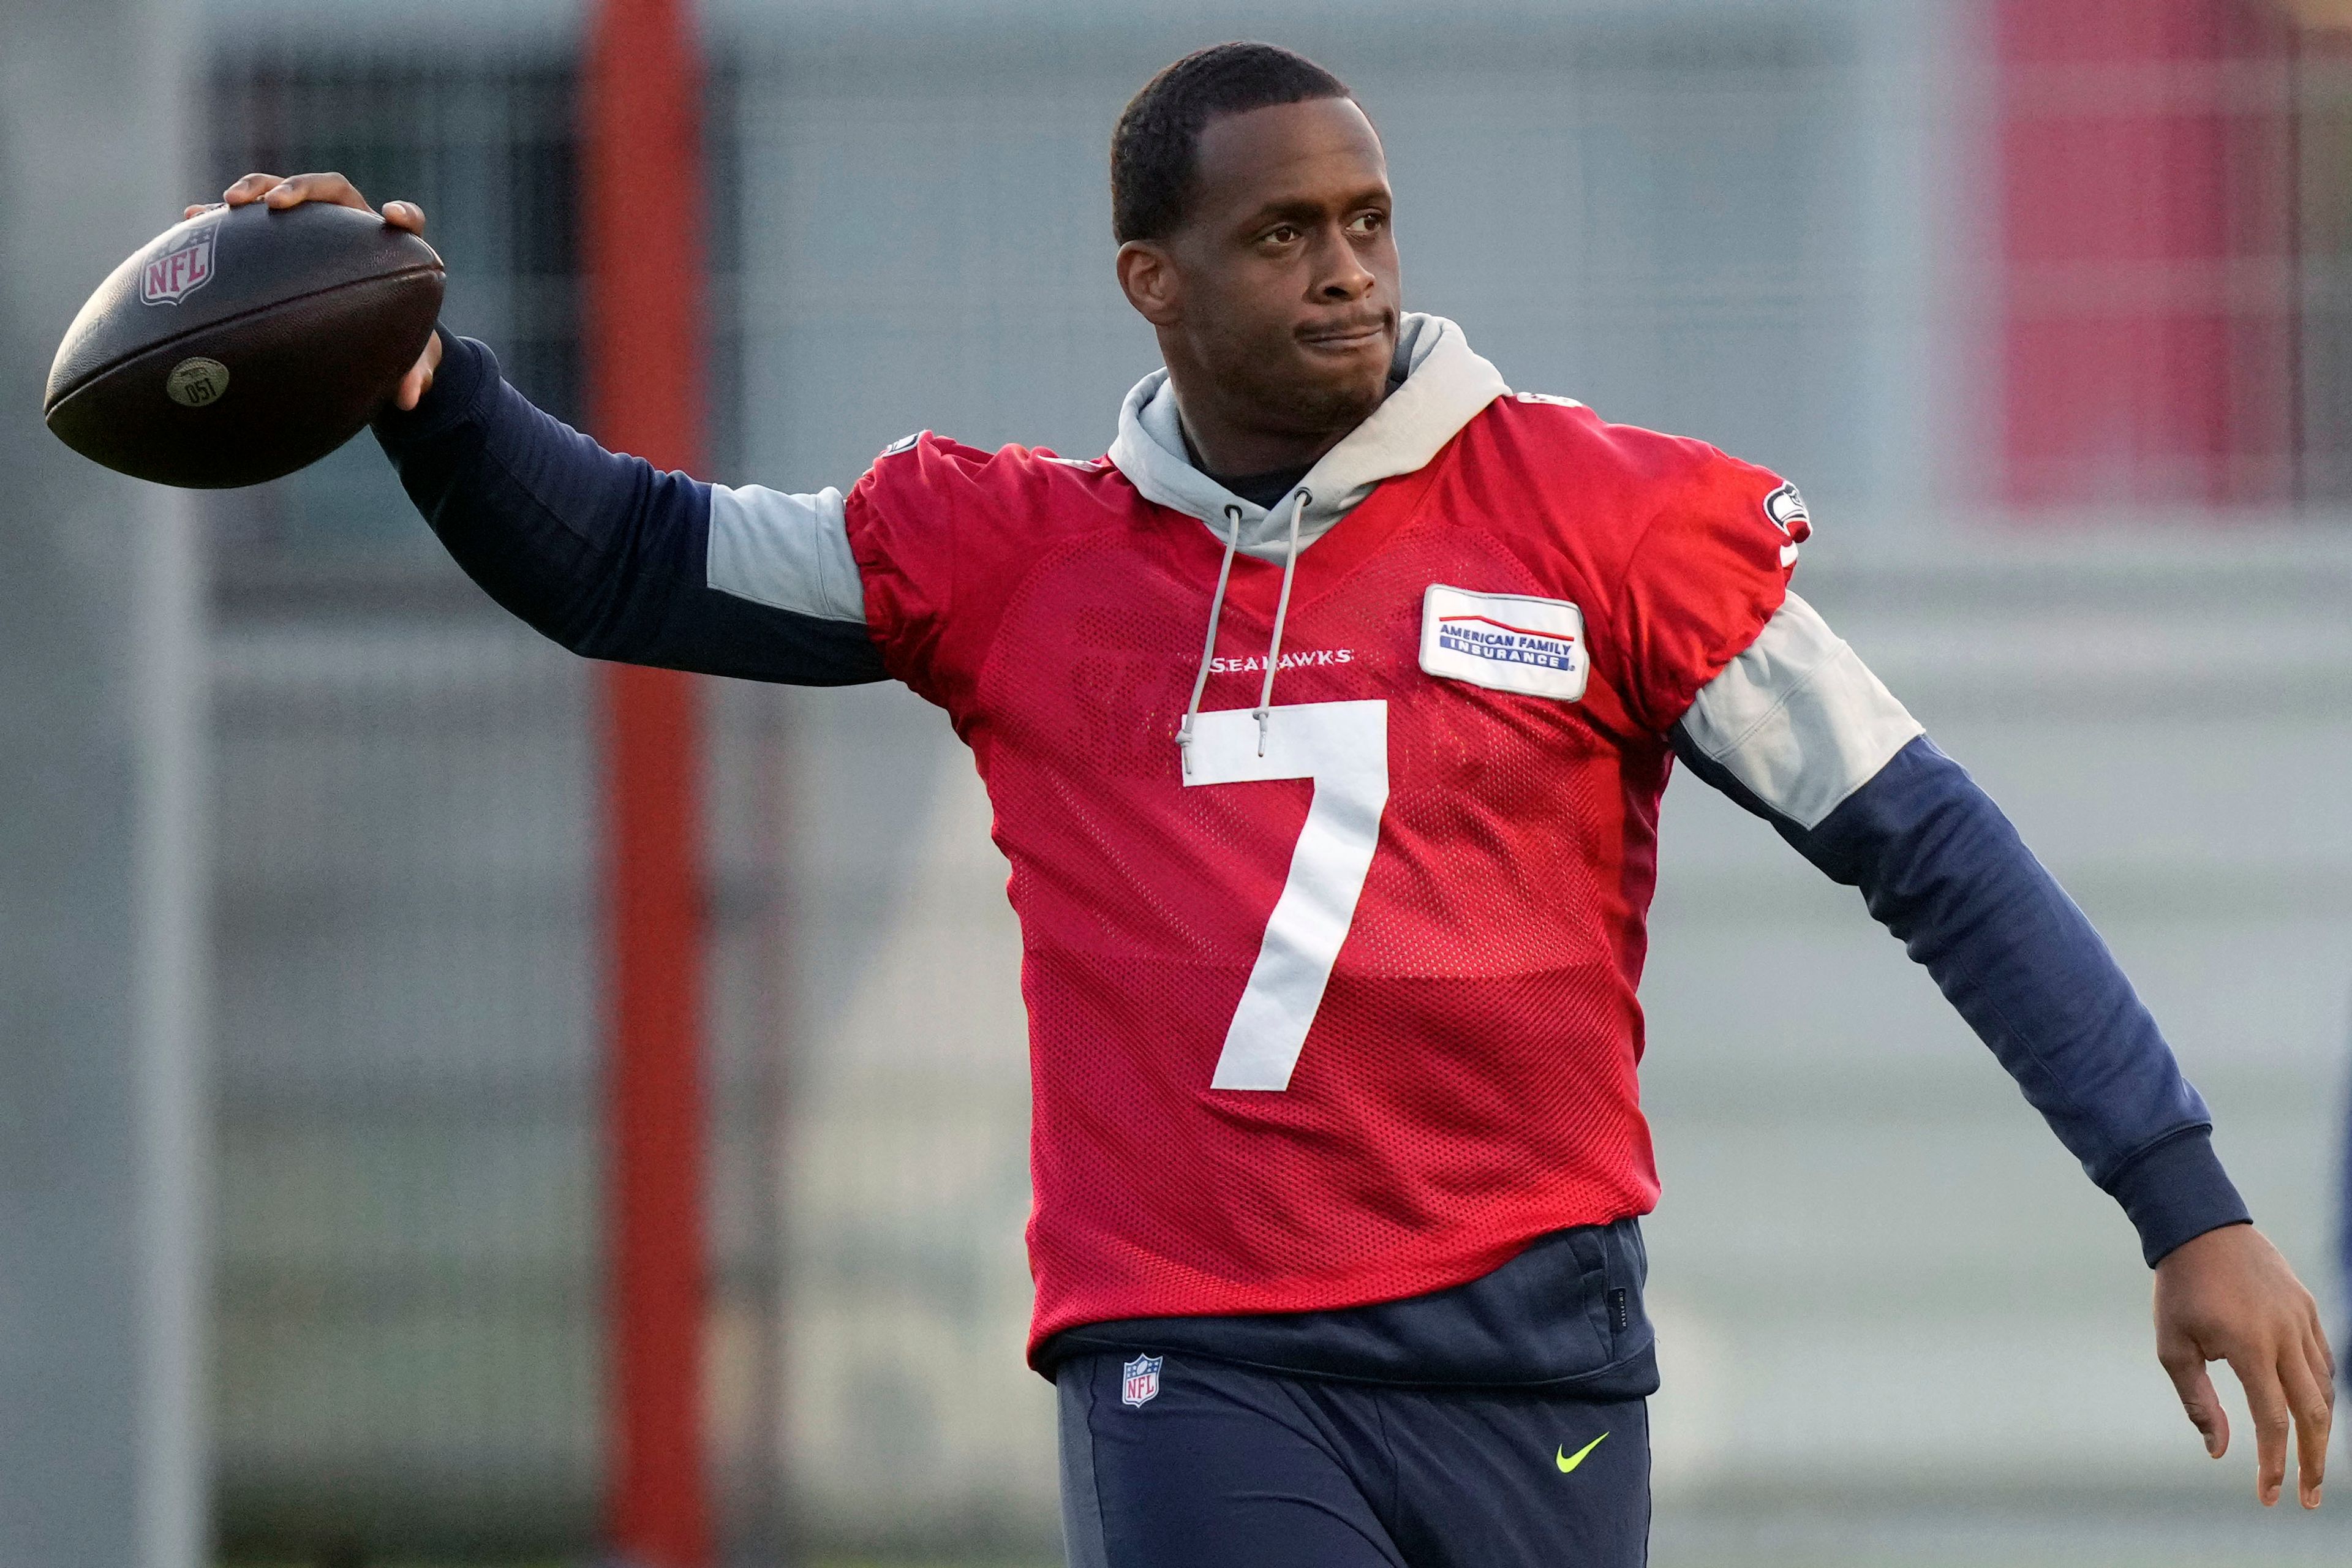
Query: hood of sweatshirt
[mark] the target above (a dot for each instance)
(1436, 386)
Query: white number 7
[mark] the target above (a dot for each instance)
(1344, 748)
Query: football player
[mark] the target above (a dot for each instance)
(1324, 719)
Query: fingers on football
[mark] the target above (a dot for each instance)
(303, 188)
(2184, 1363)
(413, 387)
(280, 191)
(419, 379)
(251, 188)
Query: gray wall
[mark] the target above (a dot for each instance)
(100, 1105)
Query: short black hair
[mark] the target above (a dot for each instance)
(1151, 150)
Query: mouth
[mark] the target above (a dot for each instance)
(1347, 338)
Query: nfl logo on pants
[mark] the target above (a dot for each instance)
(1142, 1380)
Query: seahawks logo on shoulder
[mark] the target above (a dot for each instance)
(1785, 509)
(902, 444)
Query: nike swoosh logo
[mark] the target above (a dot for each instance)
(1567, 1461)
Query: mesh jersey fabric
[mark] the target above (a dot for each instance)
(1468, 1081)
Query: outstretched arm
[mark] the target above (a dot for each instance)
(602, 552)
(1798, 731)
(615, 559)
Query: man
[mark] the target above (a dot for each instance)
(1325, 721)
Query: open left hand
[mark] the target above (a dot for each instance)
(2228, 1295)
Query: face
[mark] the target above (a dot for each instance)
(1277, 298)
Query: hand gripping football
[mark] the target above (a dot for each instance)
(243, 343)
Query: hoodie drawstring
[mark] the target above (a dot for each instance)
(1281, 611)
(1208, 647)
(1265, 711)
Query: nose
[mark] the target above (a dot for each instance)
(1340, 276)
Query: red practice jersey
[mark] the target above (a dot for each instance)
(1342, 1012)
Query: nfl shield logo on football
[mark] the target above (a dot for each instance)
(181, 270)
(1143, 1384)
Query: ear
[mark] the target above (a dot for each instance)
(1147, 276)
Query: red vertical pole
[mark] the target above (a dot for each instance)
(641, 241)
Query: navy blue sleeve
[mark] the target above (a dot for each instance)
(604, 554)
(1939, 864)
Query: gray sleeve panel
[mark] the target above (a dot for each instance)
(1799, 718)
(787, 552)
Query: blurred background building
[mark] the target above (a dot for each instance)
(2046, 303)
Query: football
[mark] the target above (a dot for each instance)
(243, 343)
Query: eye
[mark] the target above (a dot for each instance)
(1367, 224)
(1281, 234)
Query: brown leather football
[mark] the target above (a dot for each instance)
(244, 344)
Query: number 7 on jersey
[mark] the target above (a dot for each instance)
(1344, 748)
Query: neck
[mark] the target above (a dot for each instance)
(1226, 452)
(1228, 442)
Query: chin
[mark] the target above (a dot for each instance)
(1308, 393)
(1342, 403)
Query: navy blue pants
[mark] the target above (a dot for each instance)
(1197, 1464)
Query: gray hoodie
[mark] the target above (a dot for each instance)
(1439, 386)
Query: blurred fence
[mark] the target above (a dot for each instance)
(1899, 1327)
(2174, 233)
(409, 1320)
